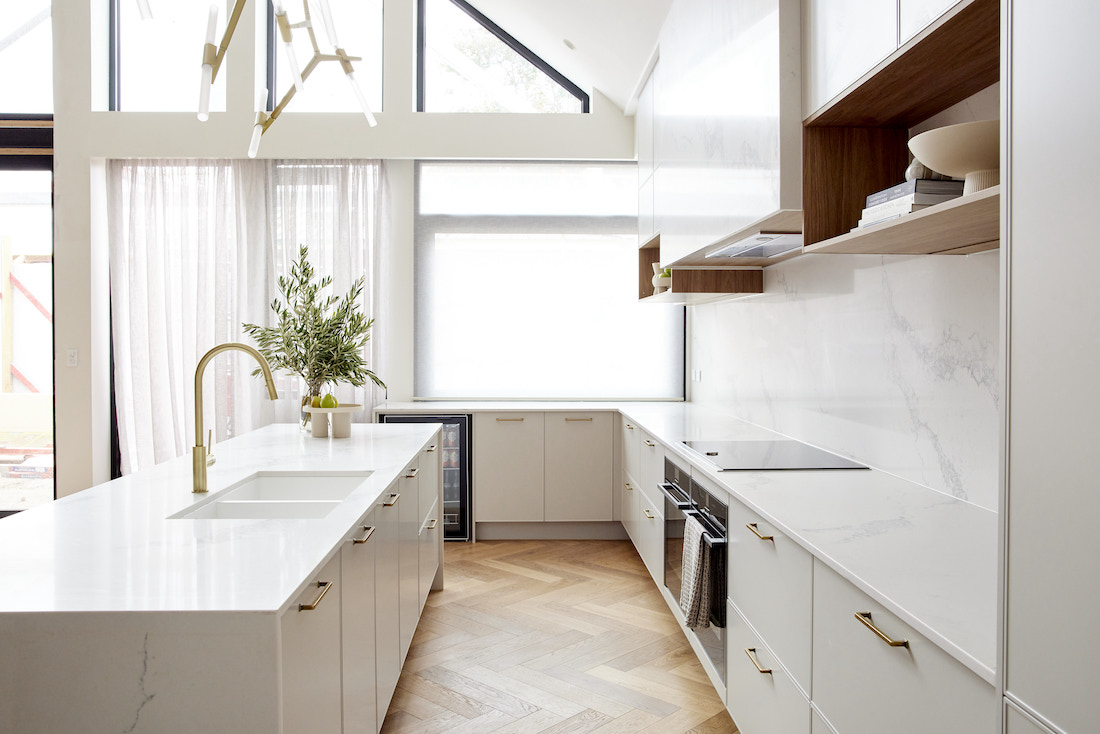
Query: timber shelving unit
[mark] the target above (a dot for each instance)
(694, 286)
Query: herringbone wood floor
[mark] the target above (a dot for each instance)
(560, 637)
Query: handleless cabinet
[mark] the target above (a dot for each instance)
(579, 465)
(310, 636)
(357, 612)
(843, 40)
(508, 467)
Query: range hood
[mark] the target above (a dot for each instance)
(760, 244)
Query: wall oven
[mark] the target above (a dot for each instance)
(684, 498)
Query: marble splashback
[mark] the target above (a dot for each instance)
(890, 360)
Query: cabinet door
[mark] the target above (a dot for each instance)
(408, 519)
(428, 478)
(631, 438)
(508, 467)
(628, 508)
(357, 599)
(650, 536)
(862, 684)
(915, 15)
(310, 636)
(579, 463)
(1019, 723)
(762, 699)
(652, 460)
(387, 599)
(429, 540)
(844, 39)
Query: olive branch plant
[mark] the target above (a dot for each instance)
(321, 338)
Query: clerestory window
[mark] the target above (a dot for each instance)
(467, 63)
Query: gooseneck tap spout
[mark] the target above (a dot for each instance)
(200, 454)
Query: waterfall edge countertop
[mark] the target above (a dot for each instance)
(929, 558)
(113, 548)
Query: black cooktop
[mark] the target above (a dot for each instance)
(768, 455)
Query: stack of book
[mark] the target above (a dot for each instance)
(906, 198)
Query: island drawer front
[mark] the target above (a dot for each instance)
(760, 703)
(310, 636)
(771, 582)
(430, 532)
(428, 477)
(862, 684)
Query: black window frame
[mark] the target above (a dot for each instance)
(504, 37)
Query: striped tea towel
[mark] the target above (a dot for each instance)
(695, 591)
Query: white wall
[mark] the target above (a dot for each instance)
(85, 137)
(890, 360)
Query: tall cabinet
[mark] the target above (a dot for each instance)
(1051, 258)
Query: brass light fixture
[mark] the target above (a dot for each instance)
(213, 56)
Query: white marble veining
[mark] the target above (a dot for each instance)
(889, 360)
(112, 547)
(929, 558)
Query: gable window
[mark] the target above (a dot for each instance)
(467, 63)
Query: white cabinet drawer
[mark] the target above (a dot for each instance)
(310, 632)
(863, 685)
(429, 553)
(760, 702)
(652, 460)
(631, 438)
(629, 501)
(771, 582)
(428, 476)
(650, 540)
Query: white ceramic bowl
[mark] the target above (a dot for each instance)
(969, 150)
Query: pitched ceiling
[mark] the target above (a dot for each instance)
(612, 39)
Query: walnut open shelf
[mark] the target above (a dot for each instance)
(693, 286)
(961, 226)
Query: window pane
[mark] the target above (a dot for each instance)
(358, 26)
(160, 60)
(539, 303)
(26, 339)
(26, 56)
(468, 69)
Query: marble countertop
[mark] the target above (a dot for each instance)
(112, 548)
(929, 558)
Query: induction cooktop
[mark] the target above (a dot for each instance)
(768, 455)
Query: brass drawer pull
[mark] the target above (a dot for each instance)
(751, 652)
(649, 443)
(752, 526)
(509, 420)
(649, 514)
(629, 427)
(628, 487)
(412, 474)
(366, 536)
(865, 618)
(578, 420)
(431, 449)
(394, 496)
(432, 523)
(324, 586)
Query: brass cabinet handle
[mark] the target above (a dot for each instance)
(324, 586)
(649, 514)
(649, 443)
(865, 618)
(751, 652)
(752, 526)
(412, 474)
(629, 427)
(431, 449)
(366, 536)
(579, 420)
(432, 523)
(509, 420)
(394, 496)
(628, 487)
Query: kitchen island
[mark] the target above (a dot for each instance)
(117, 616)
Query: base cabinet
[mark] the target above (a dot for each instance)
(761, 696)
(508, 467)
(310, 637)
(408, 552)
(429, 541)
(860, 681)
(578, 466)
(387, 601)
(357, 623)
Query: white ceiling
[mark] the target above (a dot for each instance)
(613, 39)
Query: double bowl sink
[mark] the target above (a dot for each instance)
(277, 495)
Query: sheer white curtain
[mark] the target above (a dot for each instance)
(196, 247)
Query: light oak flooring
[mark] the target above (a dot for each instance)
(561, 637)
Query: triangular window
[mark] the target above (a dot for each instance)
(467, 63)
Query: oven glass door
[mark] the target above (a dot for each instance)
(713, 514)
(675, 503)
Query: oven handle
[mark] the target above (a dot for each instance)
(710, 540)
(678, 503)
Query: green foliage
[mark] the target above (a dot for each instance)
(320, 338)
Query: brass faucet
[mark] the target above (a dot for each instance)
(200, 454)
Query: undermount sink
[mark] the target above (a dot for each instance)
(275, 495)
